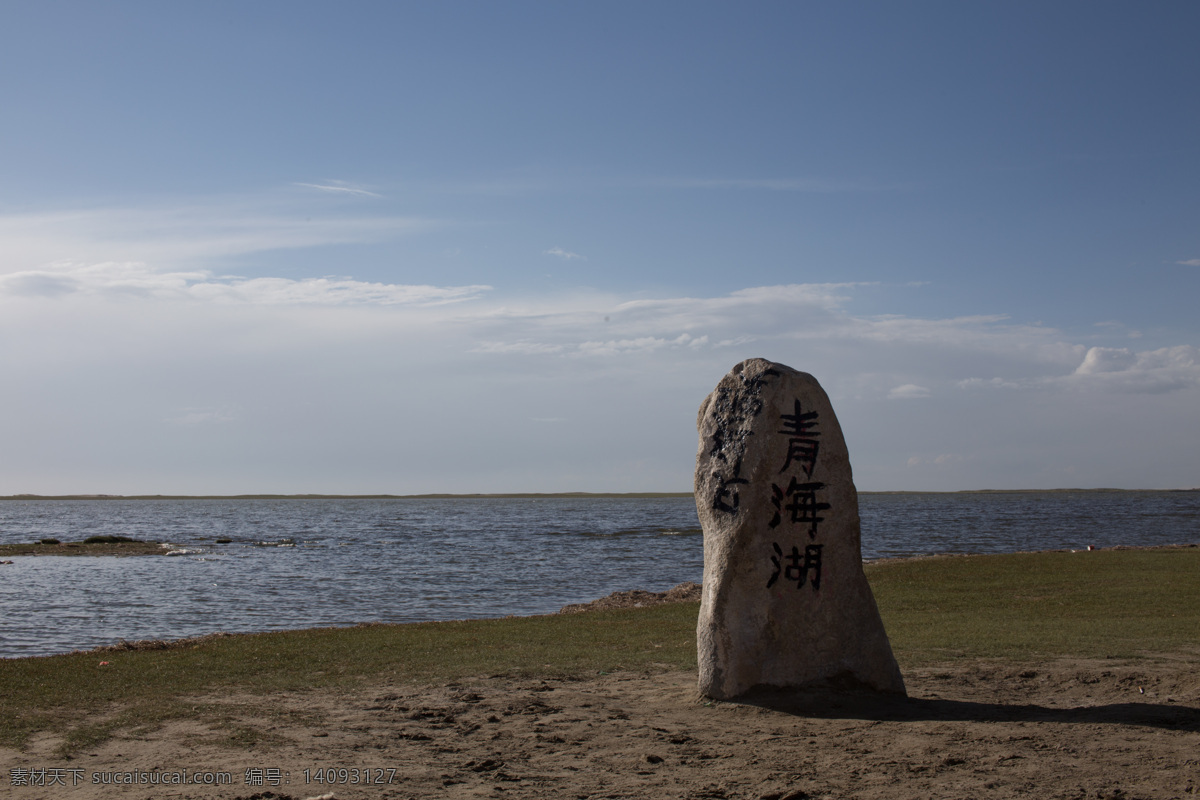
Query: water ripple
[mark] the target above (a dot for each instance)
(250, 565)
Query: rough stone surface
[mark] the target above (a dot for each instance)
(785, 602)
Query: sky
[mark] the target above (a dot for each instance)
(399, 247)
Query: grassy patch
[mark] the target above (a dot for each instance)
(58, 691)
(1107, 603)
(93, 546)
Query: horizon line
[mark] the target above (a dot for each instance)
(518, 495)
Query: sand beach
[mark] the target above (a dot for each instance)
(1063, 729)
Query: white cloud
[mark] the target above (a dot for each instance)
(1114, 369)
(737, 341)
(340, 187)
(1106, 359)
(1147, 372)
(520, 348)
(995, 383)
(330, 291)
(1191, 262)
(641, 345)
(613, 347)
(566, 255)
(132, 279)
(367, 386)
(909, 391)
(806, 323)
(168, 235)
(111, 278)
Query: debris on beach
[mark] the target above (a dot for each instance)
(686, 592)
(124, 645)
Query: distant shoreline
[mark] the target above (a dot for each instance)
(437, 496)
(525, 495)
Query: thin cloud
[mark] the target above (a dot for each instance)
(339, 187)
(566, 255)
(105, 278)
(737, 341)
(1106, 359)
(644, 344)
(334, 366)
(1191, 262)
(991, 383)
(909, 391)
(809, 325)
(166, 235)
(1166, 369)
(330, 291)
(518, 348)
(1114, 369)
(137, 279)
(807, 317)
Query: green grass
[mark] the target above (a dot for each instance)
(1036, 606)
(56, 691)
(1108, 603)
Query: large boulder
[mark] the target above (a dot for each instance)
(785, 602)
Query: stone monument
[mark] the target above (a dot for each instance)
(785, 602)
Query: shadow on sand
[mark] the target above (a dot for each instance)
(839, 702)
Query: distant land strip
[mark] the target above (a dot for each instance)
(461, 496)
(516, 495)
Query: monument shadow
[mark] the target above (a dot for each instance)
(843, 702)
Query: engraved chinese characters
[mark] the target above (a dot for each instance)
(785, 601)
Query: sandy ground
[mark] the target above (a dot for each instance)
(1065, 729)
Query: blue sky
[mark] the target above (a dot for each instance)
(485, 247)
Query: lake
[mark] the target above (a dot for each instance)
(298, 563)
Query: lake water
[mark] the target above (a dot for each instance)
(299, 563)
